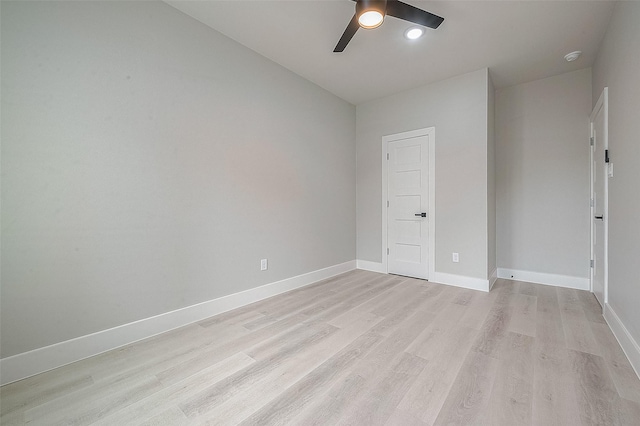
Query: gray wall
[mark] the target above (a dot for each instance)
(457, 107)
(491, 180)
(542, 172)
(150, 162)
(618, 67)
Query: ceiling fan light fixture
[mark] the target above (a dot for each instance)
(414, 33)
(370, 13)
(370, 19)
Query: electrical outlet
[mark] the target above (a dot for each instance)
(456, 257)
(263, 265)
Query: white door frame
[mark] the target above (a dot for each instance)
(602, 104)
(431, 212)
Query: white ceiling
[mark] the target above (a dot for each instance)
(519, 41)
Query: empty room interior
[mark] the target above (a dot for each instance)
(283, 212)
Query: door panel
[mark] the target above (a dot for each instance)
(408, 196)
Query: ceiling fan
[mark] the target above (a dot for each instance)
(370, 14)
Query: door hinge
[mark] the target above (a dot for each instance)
(591, 203)
(387, 155)
(606, 155)
(387, 251)
(591, 141)
(387, 203)
(592, 263)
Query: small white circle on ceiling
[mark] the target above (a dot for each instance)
(414, 33)
(570, 57)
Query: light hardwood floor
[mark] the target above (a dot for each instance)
(358, 349)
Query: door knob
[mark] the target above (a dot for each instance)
(421, 214)
(599, 217)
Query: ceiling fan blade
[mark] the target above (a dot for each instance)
(348, 34)
(410, 13)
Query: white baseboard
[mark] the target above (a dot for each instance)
(366, 265)
(557, 280)
(492, 278)
(438, 277)
(627, 342)
(461, 281)
(27, 364)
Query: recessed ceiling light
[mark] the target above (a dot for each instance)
(570, 57)
(414, 33)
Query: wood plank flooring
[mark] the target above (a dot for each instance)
(358, 349)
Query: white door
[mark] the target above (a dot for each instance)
(599, 220)
(408, 207)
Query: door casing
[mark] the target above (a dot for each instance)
(601, 106)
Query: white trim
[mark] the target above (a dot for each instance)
(492, 278)
(591, 210)
(603, 103)
(629, 346)
(366, 265)
(27, 364)
(438, 277)
(431, 132)
(461, 281)
(557, 280)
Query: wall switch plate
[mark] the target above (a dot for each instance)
(263, 265)
(456, 257)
